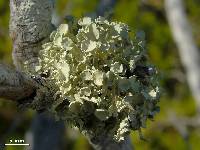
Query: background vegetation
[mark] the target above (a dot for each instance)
(176, 98)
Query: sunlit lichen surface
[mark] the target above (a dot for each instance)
(100, 77)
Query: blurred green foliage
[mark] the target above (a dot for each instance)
(149, 17)
(5, 42)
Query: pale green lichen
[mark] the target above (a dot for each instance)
(99, 76)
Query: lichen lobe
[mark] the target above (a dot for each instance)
(100, 77)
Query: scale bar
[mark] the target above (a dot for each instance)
(16, 144)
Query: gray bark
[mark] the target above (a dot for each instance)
(15, 85)
(188, 51)
(30, 25)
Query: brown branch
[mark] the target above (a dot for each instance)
(15, 85)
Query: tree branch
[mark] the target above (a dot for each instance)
(15, 85)
(30, 24)
(188, 50)
(182, 124)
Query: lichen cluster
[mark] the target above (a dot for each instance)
(100, 77)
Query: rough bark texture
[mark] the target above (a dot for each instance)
(15, 85)
(188, 50)
(30, 24)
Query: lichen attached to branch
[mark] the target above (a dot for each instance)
(100, 78)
